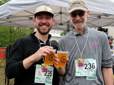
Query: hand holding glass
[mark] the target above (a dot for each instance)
(63, 58)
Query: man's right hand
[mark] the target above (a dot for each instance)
(39, 54)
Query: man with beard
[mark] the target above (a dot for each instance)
(28, 53)
(90, 61)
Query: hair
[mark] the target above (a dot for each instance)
(105, 30)
(110, 37)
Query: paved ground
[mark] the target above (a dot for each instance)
(2, 77)
(2, 73)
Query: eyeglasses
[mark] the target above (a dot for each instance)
(79, 13)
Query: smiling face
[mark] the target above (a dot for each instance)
(43, 22)
(79, 18)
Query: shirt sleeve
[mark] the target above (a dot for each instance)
(61, 45)
(106, 53)
(14, 66)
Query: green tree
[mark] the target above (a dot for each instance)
(9, 35)
(3, 1)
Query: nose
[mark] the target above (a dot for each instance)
(43, 20)
(77, 17)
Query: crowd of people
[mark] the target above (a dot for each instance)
(89, 61)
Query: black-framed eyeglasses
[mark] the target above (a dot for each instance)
(79, 13)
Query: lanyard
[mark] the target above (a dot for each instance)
(81, 52)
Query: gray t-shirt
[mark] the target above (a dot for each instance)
(96, 47)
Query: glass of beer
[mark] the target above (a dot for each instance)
(63, 58)
(49, 59)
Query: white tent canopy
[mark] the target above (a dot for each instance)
(19, 13)
(14, 6)
(101, 6)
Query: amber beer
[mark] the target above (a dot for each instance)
(63, 58)
(48, 60)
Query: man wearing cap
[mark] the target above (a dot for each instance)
(90, 61)
(25, 62)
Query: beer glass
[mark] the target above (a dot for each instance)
(63, 58)
(49, 59)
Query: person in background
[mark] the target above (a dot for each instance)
(110, 38)
(28, 53)
(90, 61)
(110, 41)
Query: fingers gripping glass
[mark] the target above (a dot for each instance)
(79, 13)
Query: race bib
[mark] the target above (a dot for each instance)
(44, 74)
(87, 69)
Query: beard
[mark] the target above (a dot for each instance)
(43, 32)
(43, 28)
(78, 24)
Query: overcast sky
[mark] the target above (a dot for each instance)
(112, 1)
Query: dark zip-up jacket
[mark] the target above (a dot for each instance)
(21, 50)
